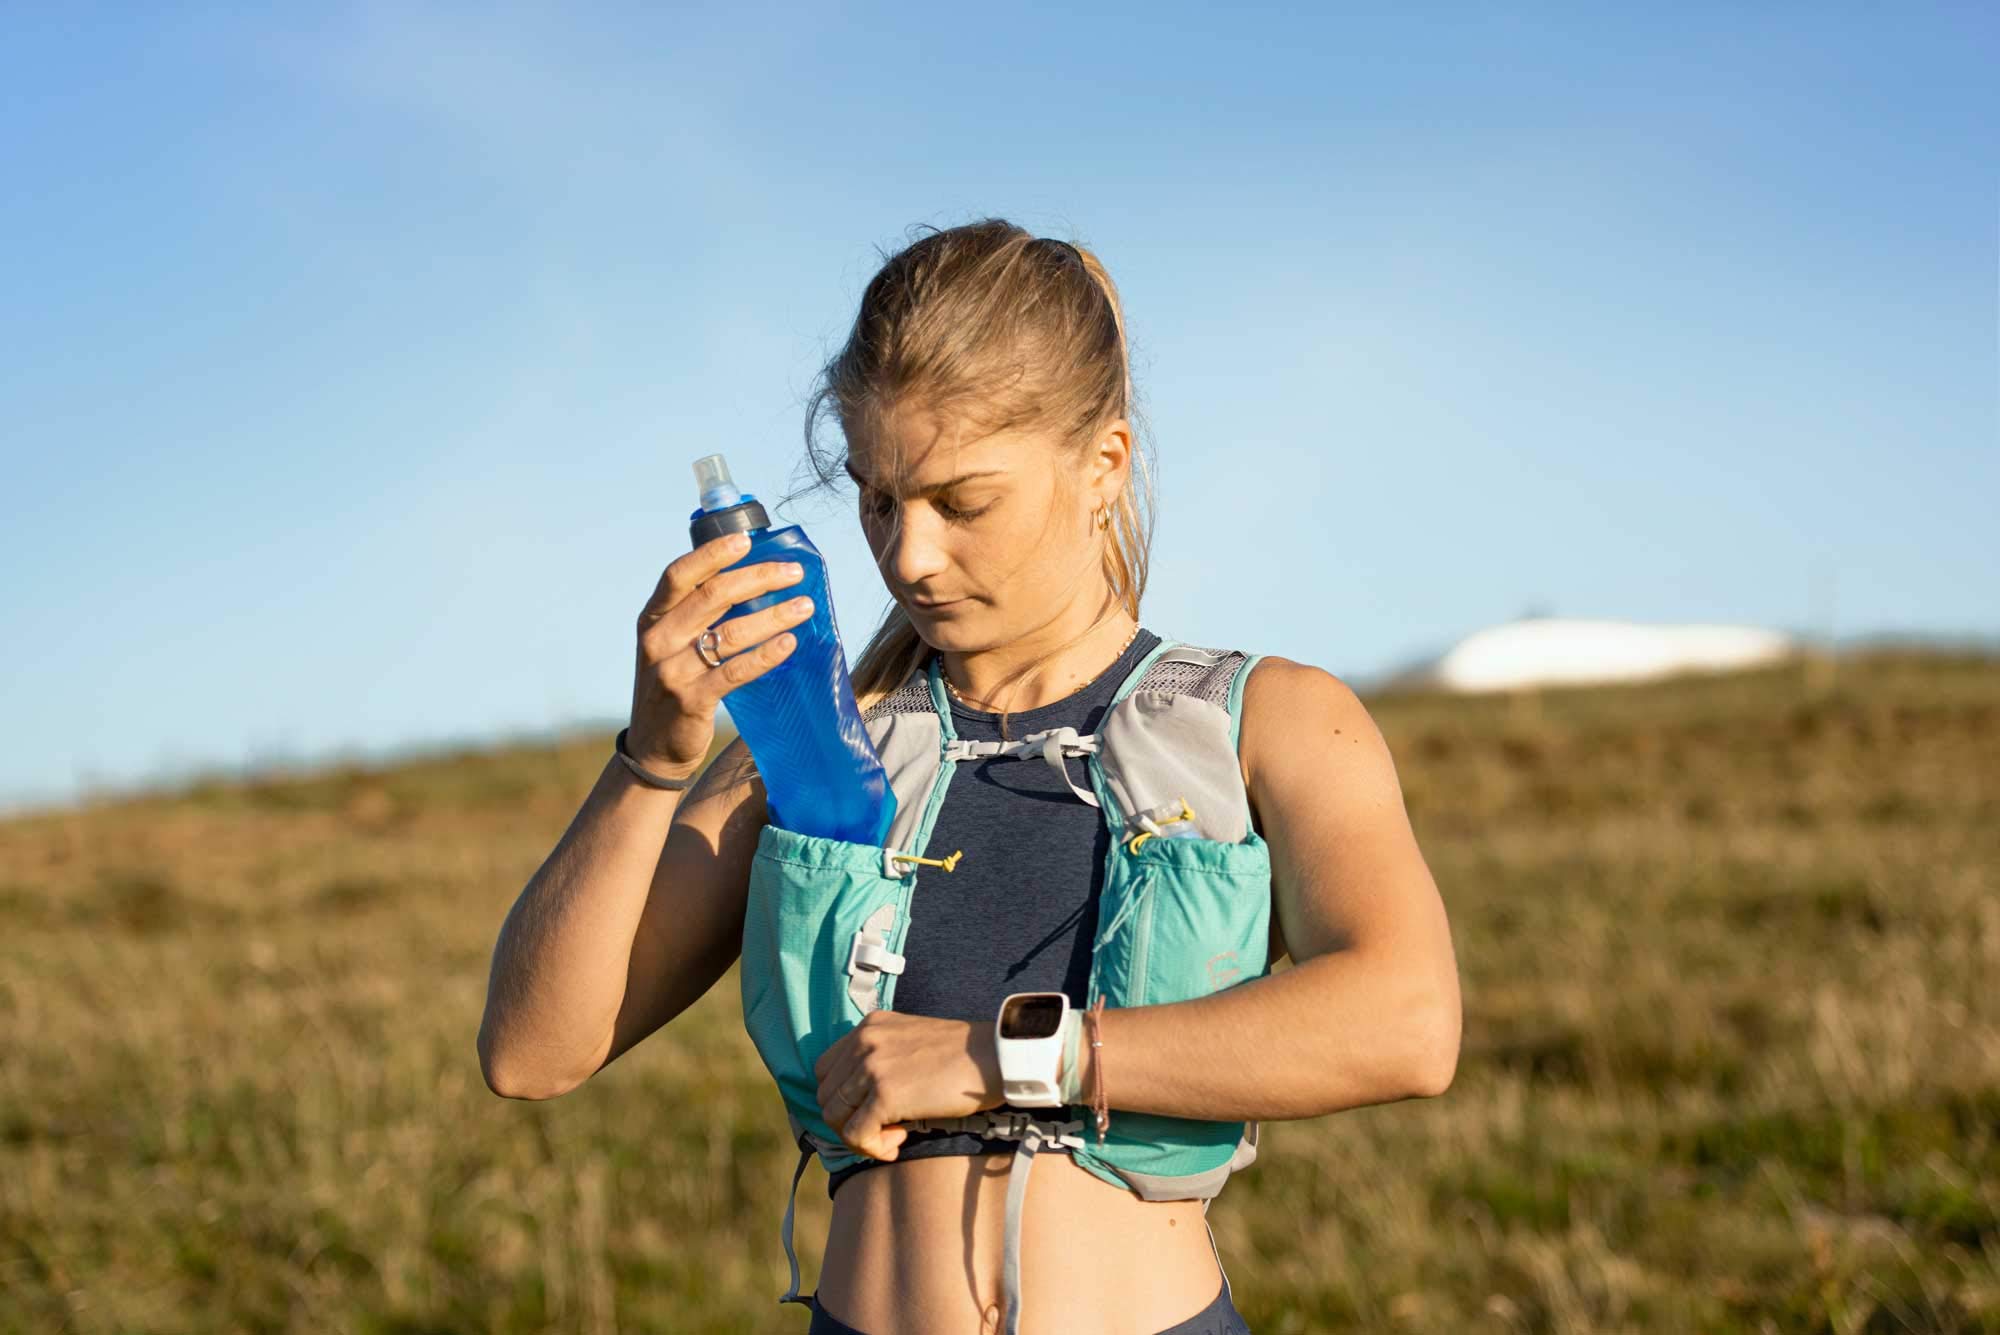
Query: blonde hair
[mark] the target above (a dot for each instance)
(989, 325)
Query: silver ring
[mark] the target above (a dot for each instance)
(707, 644)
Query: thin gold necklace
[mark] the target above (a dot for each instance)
(1086, 686)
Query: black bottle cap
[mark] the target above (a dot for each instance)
(712, 524)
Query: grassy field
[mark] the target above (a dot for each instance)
(1731, 1061)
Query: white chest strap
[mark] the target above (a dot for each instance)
(1054, 745)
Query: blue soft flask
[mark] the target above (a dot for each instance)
(821, 774)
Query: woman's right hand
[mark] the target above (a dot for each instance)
(674, 691)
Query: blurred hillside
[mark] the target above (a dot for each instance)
(1544, 651)
(1731, 1058)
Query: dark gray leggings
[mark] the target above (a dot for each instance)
(1220, 1317)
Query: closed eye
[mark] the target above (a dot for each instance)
(956, 516)
(879, 504)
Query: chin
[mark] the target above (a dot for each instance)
(956, 632)
(942, 635)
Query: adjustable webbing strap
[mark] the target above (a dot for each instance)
(1054, 745)
(992, 1124)
(1017, 1192)
(791, 1295)
(1034, 1135)
(1212, 1247)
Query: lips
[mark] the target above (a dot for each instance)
(933, 604)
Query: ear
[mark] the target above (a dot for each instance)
(1108, 462)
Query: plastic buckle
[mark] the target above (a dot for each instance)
(885, 961)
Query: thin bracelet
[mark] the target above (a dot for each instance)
(642, 773)
(1100, 1105)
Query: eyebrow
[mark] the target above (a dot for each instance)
(931, 490)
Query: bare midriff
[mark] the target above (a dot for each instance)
(915, 1248)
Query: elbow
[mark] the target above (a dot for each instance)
(498, 1078)
(509, 1082)
(1435, 1058)
(1433, 1075)
(509, 1085)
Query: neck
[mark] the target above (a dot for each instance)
(981, 674)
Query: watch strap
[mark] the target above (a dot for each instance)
(1072, 1070)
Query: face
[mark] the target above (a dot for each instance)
(985, 539)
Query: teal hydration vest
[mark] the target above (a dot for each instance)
(1179, 918)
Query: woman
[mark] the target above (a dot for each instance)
(984, 403)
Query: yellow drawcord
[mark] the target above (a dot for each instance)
(1187, 813)
(946, 863)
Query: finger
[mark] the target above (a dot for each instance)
(864, 1129)
(716, 683)
(705, 604)
(835, 1113)
(845, 1088)
(834, 1068)
(684, 572)
(719, 593)
(837, 1105)
(740, 634)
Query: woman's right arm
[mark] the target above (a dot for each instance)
(639, 909)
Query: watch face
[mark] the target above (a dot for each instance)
(1038, 1016)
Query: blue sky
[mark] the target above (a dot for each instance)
(354, 356)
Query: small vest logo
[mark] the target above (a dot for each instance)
(1222, 970)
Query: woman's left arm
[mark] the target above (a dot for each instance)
(1369, 1012)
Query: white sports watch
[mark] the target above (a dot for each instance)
(1029, 1035)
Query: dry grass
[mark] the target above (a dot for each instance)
(1731, 1063)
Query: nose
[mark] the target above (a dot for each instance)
(912, 552)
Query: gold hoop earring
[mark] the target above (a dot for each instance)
(1103, 516)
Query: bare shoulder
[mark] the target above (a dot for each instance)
(1282, 680)
(1346, 870)
(1301, 720)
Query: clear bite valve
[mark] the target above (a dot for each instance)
(711, 475)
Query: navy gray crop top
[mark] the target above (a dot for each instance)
(1005, 921)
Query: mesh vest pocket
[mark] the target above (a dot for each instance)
(1196, 919)
(808, 896)
(1205, 922)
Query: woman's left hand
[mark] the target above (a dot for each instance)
(893, 1066)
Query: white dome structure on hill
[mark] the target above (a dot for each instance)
(1561, 651)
